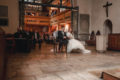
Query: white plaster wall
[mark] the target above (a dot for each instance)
(99, 15)
(85, 7)
(13, 15)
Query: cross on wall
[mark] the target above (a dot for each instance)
(107, 6)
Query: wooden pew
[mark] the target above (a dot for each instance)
(23, 45)
(2, 57)
(114, 42)
(106, 76)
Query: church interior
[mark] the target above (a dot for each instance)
(31, 46)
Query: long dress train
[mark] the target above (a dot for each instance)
(75, 44)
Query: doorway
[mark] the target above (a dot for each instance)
(108, 27)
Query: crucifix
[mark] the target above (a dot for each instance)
(106, 6)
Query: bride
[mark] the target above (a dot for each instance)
(73, 43)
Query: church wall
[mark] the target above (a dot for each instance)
(85, 7)
(99, 15)
(13, 15)
(96, 12)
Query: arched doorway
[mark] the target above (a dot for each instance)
(108, 27)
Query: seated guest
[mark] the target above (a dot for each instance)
(92, 40)
(17, 34)
(46, 37)
(31, 34)
(92, 35)
(98, 33)
(51, 38)
(22, 41)
(20, 33)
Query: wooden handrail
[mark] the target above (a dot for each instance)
(61, 13)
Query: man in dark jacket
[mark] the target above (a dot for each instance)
(20, 33)
(60, 38)
(36, 39)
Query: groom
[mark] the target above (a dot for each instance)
(62, 38)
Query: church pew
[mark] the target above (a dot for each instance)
(114, 42)
(23, 45)
(106, 76)
(10, 44)
(2, 57)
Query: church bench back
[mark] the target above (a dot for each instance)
(106, 76)
(2, 56)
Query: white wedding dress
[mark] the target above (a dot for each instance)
(73, 43)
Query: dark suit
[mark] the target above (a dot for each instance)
(60, 39)
(21, 34)
(36, 39)
(46, 38)
(31, 35)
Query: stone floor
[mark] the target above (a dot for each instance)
(45, 65)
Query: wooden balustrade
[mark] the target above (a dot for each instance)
(37, 20)
(62, 17)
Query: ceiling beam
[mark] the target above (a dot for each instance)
(47, 1)
(50, 1)
(60, 2)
